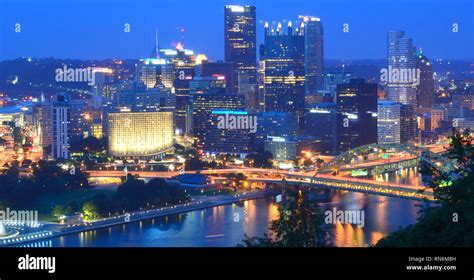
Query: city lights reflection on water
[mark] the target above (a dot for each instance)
(225, 226)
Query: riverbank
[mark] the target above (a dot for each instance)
(203, 203)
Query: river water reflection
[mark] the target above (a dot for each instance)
(225, 226)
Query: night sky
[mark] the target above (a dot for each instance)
(93, 29)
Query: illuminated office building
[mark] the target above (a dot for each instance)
(388, 122)
(284, 71)
(228, 141)
(401, 57)
(241, 38)
(356, 104)
(321, 123)
(408, 123)
(313, 52)
(183, 62)
(425, 90)
(271, 123)
(140, 135)
(220, 68)
(55, 127)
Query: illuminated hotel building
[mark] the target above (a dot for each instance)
(140, 135)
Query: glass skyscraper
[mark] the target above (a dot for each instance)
(241, 38)
(388, 122)
(425, 90)
(313, 52)
(401, 58)
(357, 108)
(284, 70)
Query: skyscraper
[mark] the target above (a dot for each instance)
(183, 62)
(284, 70)
(357, 109)
(313, 52)
(408, 123)
(425, 90)
(209, 100)
(401, 83)
(55, 126)
(321, 123)
(219, 68)
(388, 122)
(241, 37)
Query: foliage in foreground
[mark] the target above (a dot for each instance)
(300, 225)
(451, 224)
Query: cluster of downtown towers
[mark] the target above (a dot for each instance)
(296, 103)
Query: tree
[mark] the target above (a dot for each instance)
(89, 145)
(300, 225)
(58, 211)
(236, 178)
(194, 163)
(452, 224)
(89, 210)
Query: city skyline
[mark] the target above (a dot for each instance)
(43, 37)
(229, 124)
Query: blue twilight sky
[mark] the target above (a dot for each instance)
(94, 28)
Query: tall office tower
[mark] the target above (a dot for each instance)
(237, 140)
(313, 52)
(197, 115)
(261, 84)
(77, 123)
(321, 123)
(209, 100)
(248, 88)
(284, 71)
(425, 90)
(402, 65)
(240, 41)
(388, 122)
(357, 119)
(219, 68)
(103, 78)
(408, 124)
(183, 62)
(55, 126)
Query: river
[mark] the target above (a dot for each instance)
(225, 226)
